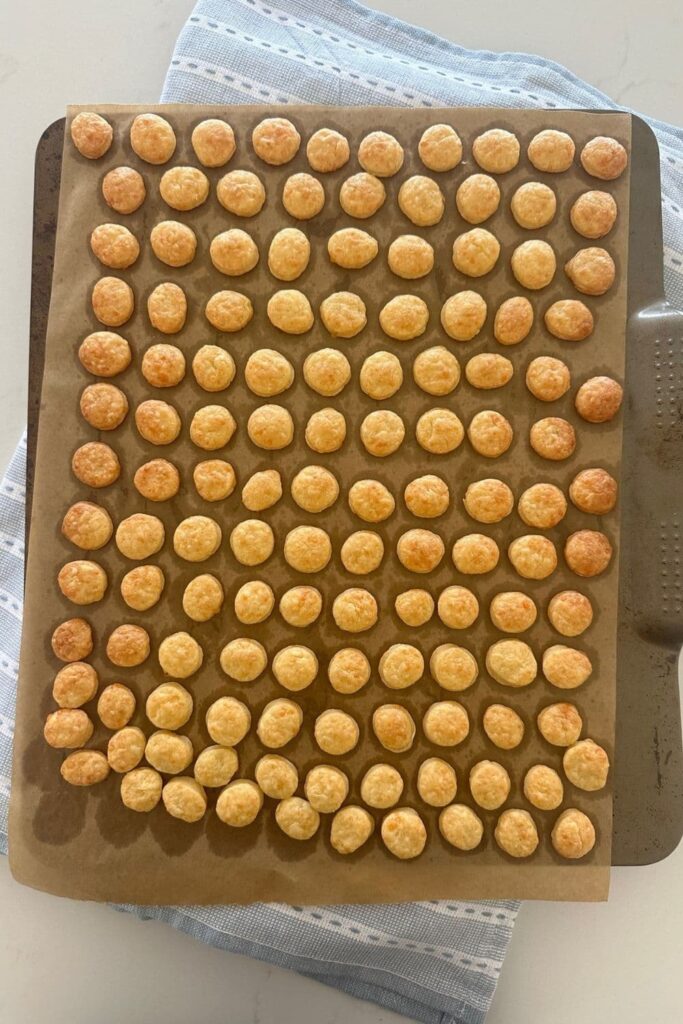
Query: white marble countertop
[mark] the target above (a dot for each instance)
(79, 963)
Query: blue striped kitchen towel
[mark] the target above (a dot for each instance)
(436, 962)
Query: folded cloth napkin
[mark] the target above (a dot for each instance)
(436, 962)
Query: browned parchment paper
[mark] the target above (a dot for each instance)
(84, 843)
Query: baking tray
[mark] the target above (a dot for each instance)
(648, 771)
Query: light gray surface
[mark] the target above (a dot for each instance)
(78, 963)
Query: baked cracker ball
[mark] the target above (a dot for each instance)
(593, 214)
(381, 786)
(87, 525)
(461, 827)
(288, 254)
(214, 479)
(270, 427)
(513, 321)
(427, 496)
(152, 138)
(280, 722)
(157, 480)
(586, 765)
(476, 252)
(534, 557)
(512, 611)
(351, 248)
(573, 834)
(566, 667)
(362, 552)
(348, 670)
(414, 607)
(239, 803)
(394, 727)
(123, 189)
(75, 684)
(295, 667)
(114, 246)
(157, 422)
(307, 549)
(163, 366)
(362, 195)
(343, 314)
(404, 833)
(594, 491)
(542, 506)
(140, 535)
(254, 602)
(598, 400)
(440, 148)
(128, 646)
(490, 433)
(290, 311)
(141, 588)
(91, 134)
(453, 668)
(488, 501)
(401, 666)
(229, 311)
(213, 142)
(381, 154)
(533, 264)
(516, 833)
(420, 550)
(355, 610)
(503, 726)
(277, 777)
(381, 375)
(233, 252)
(351, 827)
(475, 554)
(167, 308)
(116, 706)
(421, 200)
(547, 378)
(67, 729)
(168, 752)
(203, 598)
(543, 787)
(268, 373)
(82, 582)
(458, 607)
(570, 612)
(262, 490)
(180, 655)
(511, 663)
(126, 749)
(297, 818)
(169, 706)
(591, 271)
(327, 371)
(327, 150)
(382, 432)
(242, 193)
(553, 438)
(326, 788)
(436, 782)
(113, 301)
(604, 158)
(551, 151)
(533, 205)
(587, 552)
(252, 542)
(489, 784)
(404, 317)
(488, 370)
(477, 198)
(496, 151)
(275, 140)
(212, 427)
(371, 501)
(228, 721)
(569, 320)
(103, 406)
(84, 768)
(96, 464)
(560, 724)
(184, 799)
(72, 640)
(436, 371)
(410, 257)
(215, 766)
(439, 431)
(303, 197)
(446, 723)
(184, 188)
(463, 315)
(141, 790)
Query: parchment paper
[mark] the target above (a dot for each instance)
(84, 843)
